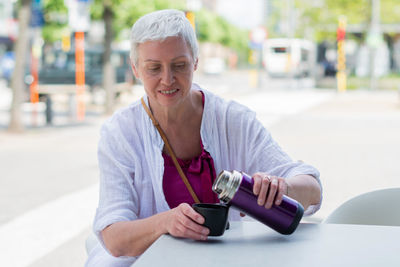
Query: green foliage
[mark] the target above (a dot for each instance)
(213, 28)
(55, 5)
(319, 18)
(323, 18)
(53, 32)
(315, 18)
(126, 12)
(390, 11)
(56, 20)
(96, 10)
(209, 26)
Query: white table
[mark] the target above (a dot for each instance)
(254, 244)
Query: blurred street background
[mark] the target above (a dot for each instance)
(322, 75)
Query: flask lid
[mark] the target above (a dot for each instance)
(226, 184)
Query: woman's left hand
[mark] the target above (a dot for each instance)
(269, 189)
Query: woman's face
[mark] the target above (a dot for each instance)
(166, 70)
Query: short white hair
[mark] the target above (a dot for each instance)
(157, 26)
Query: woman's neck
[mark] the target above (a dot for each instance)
(180, 113)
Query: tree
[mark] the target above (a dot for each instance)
(214, 28)
(17, 79)
(108, 70)
(390, 11)
(319, 18)
(56, 20)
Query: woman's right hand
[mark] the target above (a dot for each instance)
(184, 221)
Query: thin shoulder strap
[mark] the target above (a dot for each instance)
(171, 152)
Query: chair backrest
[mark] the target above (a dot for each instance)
(379, 207)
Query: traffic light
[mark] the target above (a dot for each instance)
(341, 33)
(66, 42)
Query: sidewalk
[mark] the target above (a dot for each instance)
(353, 139)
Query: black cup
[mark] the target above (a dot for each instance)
(215, 215)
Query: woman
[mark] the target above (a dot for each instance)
(142, 195)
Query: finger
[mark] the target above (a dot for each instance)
(188, 211)
(182, 226)
(264, 190)
(281, 191)
(257, 178)
(188, 224)
(189, 233)
(273, 187)
(193, 220)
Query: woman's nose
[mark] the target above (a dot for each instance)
(167, 77)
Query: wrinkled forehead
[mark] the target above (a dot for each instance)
(165, 49)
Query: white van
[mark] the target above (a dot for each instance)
(284, 57)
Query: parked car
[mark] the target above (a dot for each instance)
(284, 56)
(7, 62)
(58, 67)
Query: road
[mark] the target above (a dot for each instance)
(48, 185)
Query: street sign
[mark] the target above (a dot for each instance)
(258, 35)
(37, 18)
(255, 46)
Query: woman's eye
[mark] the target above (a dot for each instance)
(153, 69)
(179, 66)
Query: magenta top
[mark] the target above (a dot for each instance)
(200, 172)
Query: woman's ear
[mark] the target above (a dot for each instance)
(135, 71)
(195, 63)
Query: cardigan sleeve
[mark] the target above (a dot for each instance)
(118, 199)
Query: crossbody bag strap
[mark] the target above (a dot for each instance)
(171, 152)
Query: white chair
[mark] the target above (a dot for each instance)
(379, 207)
(90, 242)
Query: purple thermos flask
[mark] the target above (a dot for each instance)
(236, 189)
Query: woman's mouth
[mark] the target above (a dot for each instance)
(168, 92)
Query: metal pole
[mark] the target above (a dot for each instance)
(49, 110)
(375, 33)
(341, 55)
(290, 36)
(80, 73)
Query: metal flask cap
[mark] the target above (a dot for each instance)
(227, 184)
